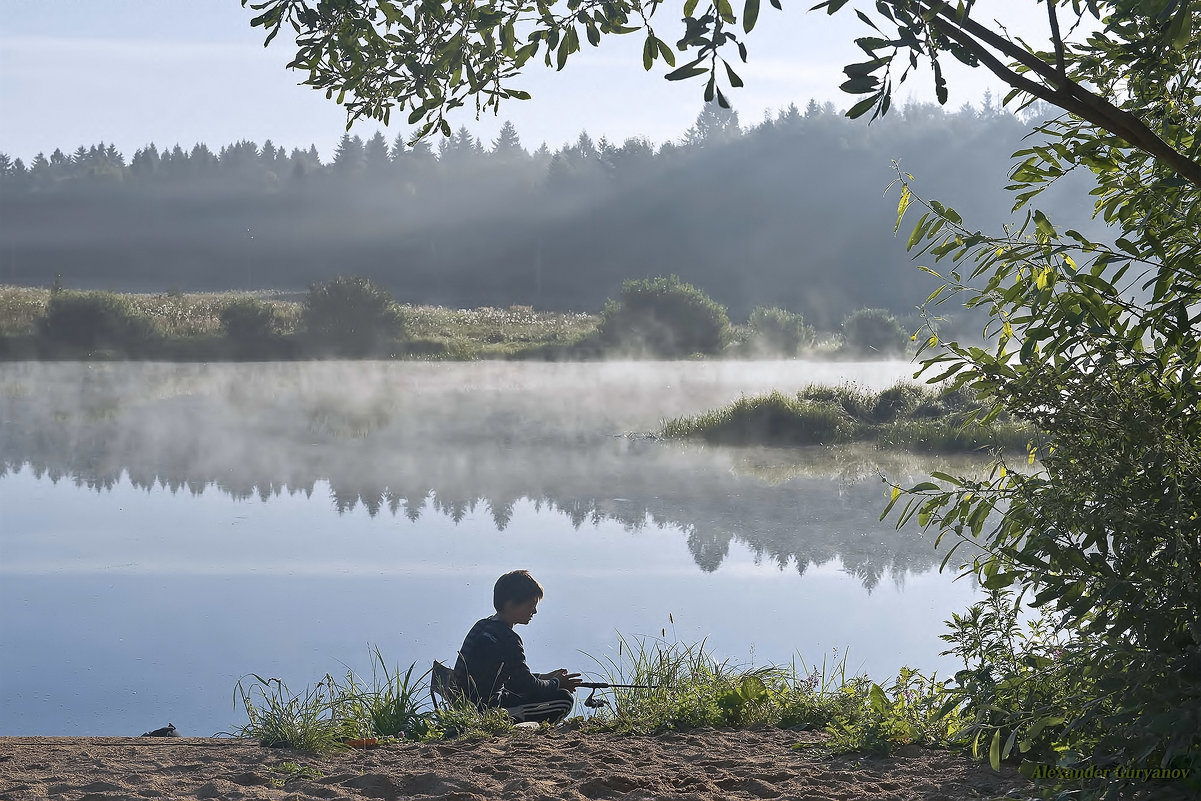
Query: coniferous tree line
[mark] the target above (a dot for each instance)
(788, 212)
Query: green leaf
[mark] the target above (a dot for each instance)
(860, 85)
(735, 81)
(690, 70)
(878, 699)
(994, 751)
(750, 13)
(861, 108)
(665, 51)
(649, 50)
(1180, 31)
(902, 205)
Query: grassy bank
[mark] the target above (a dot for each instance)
(905, 416)
(187, 326)
(688, 689)
(270, 325)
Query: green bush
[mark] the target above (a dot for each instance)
(93, 320)
(248, 321)
(666, 317)
(351, 316)
(779, 330)
(874, 331)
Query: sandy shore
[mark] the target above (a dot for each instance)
(704, 765)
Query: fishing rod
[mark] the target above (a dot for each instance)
(604, 685)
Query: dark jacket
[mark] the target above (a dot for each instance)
(493, 658)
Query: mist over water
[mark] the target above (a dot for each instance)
(166, 528)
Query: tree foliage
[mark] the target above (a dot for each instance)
(1098, 345)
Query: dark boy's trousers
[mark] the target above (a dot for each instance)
(550, 707)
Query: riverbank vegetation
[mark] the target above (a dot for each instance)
(687, 687)
(353, 317)
(904, 417)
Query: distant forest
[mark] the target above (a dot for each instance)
(787, 212)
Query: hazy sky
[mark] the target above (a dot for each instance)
(132, 72)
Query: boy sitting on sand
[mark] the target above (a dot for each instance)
(493, 658)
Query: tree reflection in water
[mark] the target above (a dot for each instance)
(414, 439)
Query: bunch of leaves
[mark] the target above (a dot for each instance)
(1099, 347)
(431, 58)
(664, 316)
(1015, 676)
(913, 710)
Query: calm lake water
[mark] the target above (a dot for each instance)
(167, 528)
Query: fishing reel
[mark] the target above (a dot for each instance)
(592, 702)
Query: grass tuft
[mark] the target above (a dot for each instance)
(278, 718)
(905, 416)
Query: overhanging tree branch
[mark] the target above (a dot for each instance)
(1069, 95)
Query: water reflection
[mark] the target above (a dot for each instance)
(408, 439)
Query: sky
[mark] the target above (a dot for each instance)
(132, 72)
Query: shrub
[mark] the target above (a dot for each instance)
(93, 320)
(779, 330)
(665, 316)
(351, 316)
(874, 331)
(248, 321)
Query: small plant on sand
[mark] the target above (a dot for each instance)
(393, 705)
(277, 718)
(914, 710)
(460, 718)
(288, 771)
(324, 717)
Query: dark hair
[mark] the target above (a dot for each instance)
(517, 586)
